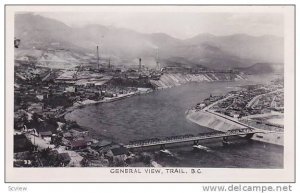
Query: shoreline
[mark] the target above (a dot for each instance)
(105, 100)
(216, 122)
(158, 88)
(171, 80)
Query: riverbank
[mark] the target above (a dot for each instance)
(105, 100)
(223, 123)
(166, 81)
(211, 121)
(170, 80)
(219, 123)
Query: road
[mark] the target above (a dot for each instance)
(258, 96)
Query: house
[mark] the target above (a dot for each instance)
(46, 135)
(48, 114)
(235, 115)
(90, 84)
(40, 97)
(58, 159)
(67, 135)
(200, 106)
(53, 152)
(118, 151)
(64, 158)
(101, 84)
(117, 154)
(65, 142)
(101, 144)
(71, 89)
(79, 132)
(88, 139)
(45, 126)
(78, 144)
(36, 108)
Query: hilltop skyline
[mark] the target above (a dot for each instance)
(178, 25)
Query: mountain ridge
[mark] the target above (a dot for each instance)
(215, 52)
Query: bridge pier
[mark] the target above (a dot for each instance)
(163, 147)
(249, 136)
(196, 142)
(225, 141)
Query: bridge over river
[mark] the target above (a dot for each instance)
(247, 132)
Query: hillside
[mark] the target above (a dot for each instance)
(263, 68)
(259, 49)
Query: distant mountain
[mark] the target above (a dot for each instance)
(125, 46)
(263, 68)
(37, 31)
(258, 49)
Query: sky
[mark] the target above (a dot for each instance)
(180, 25)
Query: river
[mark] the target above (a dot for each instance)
(162, 113)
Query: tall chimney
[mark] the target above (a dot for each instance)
(157, 60)
(98, 63)
(140, 64)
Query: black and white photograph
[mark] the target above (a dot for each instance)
(151, 89)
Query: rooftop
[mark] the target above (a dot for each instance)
(119, 151)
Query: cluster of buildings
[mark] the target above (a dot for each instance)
(208, 101)
(261, 106)
(251, 100)
(43, 138)
(236, 105)
(269, 101)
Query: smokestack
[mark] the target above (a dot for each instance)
(157, 60)
(140, 64)
(98, 63)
